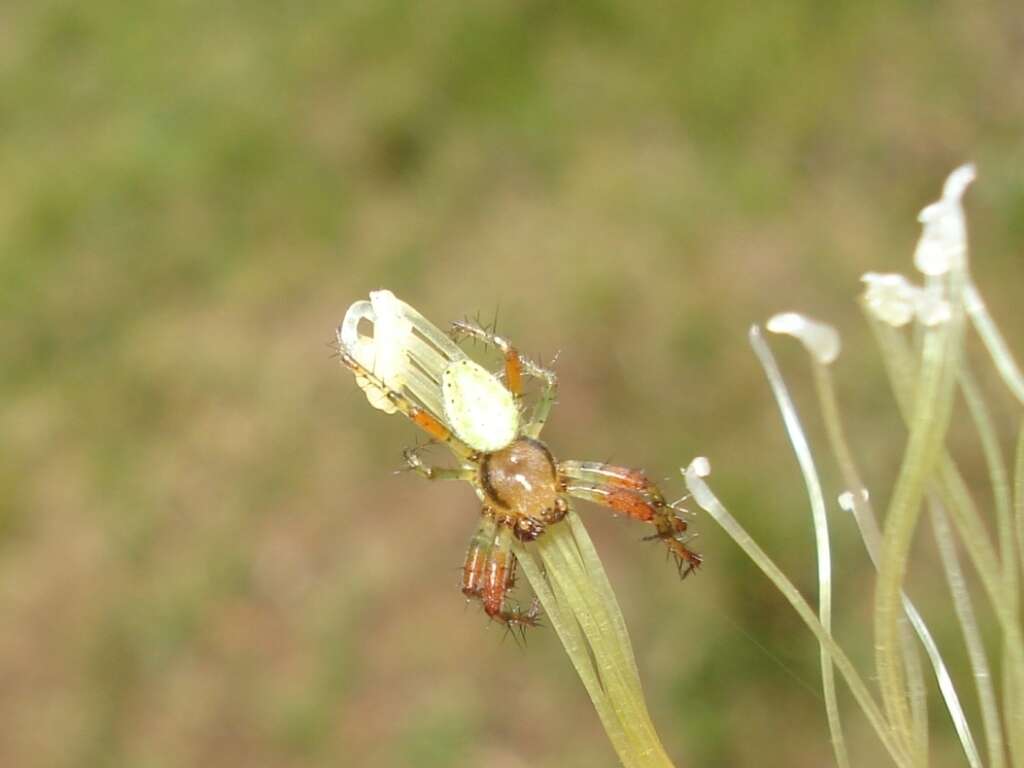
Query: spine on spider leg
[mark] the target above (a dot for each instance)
(516, 363)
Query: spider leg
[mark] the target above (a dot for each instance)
(419, 416)
(630, 492)
(516, 365)
(474, 570)
(415, 463)
(498, 577)
(542, 410)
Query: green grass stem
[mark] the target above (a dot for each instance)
(817, 500)
(931, 412)
(964, 608)
(707, 500)
(567, 576)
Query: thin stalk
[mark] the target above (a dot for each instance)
(1003, 502)
(706, 499)
(972, 636)
(998, 477)
(993, 340)
(1015, 703)
(932, 408)
(864, 515)
(917, 694)
(871, 536)
(1018, 495)
(971, 530)
(813, 484)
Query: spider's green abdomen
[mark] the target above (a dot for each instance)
(480, 410)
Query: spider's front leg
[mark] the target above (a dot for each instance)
(401, 402)
(630, 492)
(489, 573)
(416, 464)
(516, 365)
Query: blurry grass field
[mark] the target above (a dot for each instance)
(204, 555)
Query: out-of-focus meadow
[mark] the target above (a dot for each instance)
(206, 557)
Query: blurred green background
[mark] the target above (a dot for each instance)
(205, 556)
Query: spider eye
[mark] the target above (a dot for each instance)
(480, 411)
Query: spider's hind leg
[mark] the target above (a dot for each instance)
(474, 570)
(489, 574)
(630, 492)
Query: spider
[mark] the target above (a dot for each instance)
(411, 367)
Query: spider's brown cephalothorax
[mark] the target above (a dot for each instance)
(460, 403)
(521, 478)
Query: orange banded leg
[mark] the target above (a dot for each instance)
(629, 492)
(498, 578)
(474, 570)
(515, 366)
(419, 416)
(513, 373)
(514, 362)
(609, 474)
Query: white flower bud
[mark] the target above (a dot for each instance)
(943, 243)
(891, 298)
(821, 340)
